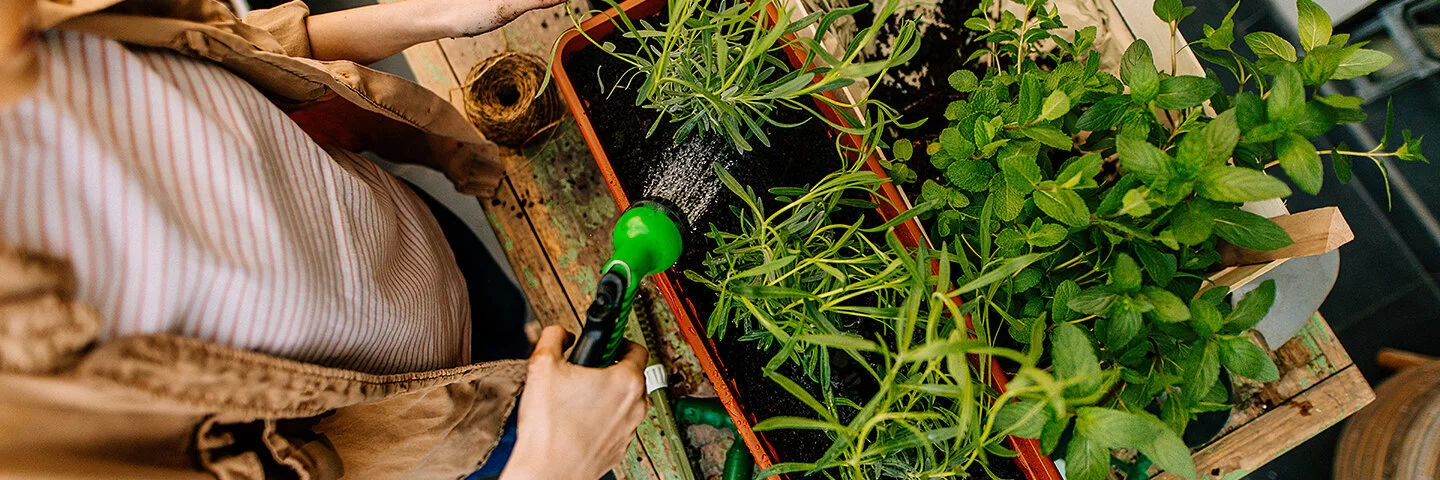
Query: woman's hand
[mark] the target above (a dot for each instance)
(370, 33)
(575, 422)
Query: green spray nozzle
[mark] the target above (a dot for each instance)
(647, 240)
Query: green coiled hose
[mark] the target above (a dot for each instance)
(739, 465)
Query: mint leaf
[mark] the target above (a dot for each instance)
(1056, 105)
(1191, 224)
(1168, 307)
(1160, 266)
(1171, 11)
(1059, 308)
(1239, 185)
(1048, 235)
(1025, 418)
(1086, 460)
(963, 80)
(903, 149)
(954, 143)
(1248, 230)
(1080, 171)
(1220, 38)
(1251, 309)
(1321, 63)
(1143, 159)
(1092, 301)
(970, 175)
(1205, 318)
(1244, 358)
(1017, 162)
(1105, 114)
(1286, 102)
(1137, 70)
(1048, 135)
(1361, 62)
(1202, 370)
(1212, 145)
(1063, 205)
(1269, 45)
(1117, 429)
(1185, 91)
(1125, 274)
(1125, 322)
(1301, 162)
(1314, 24)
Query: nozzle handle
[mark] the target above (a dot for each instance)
(599, 337)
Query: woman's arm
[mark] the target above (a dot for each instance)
(368, 34)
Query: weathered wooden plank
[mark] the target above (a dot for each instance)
(1311, 357)
(537, 278)
(1283, 427)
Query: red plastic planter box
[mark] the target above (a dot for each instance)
(1035, 465)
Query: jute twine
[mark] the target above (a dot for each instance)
(500, 98)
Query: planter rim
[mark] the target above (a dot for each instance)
(1030, 460)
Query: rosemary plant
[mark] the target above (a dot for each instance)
(720, 66)
(805, 286)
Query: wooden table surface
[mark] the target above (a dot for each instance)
(553, 215)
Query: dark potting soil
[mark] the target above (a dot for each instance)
(646, 165)
(921, 87)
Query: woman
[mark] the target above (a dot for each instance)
(199, 276)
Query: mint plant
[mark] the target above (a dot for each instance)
(1126, 186)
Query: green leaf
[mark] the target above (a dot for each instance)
(1105, 114)
(839, 341)
(1314, 24)
(1244, 358)
(1143, 159)
(1321, 63)
(1212, 145)
(1301, 162)
(1125, 322)
(1171, 11)
(1239, 185)
(971, 175)
(800, 394)
(963, 80)
(1056, 105)
(1074, 358)
(1191, 224)
(1137, 70)
(1118, 429)
(1269, 45)
(1017, 162)
(1092, 301)
(903, 149)
(1086, 460)
(1048, 235)
(1081, 170)
(1048, 135)
(1059, 309)
(994, 275)
(797, 423)
(1202, 370)
(1251, 309)
(1205, 319)
(1249, 111)
(1248, 230)
(1160, 266)
(1361, 62)
(1168, 307)
(1185, 91)
(1342, 163)
(1025, 418)
(954, 143)
(1286, 101)
(1220, 38)
(1064, 205)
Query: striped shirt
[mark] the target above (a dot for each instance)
(190, 205)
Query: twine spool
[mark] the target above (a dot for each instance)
(500, 98)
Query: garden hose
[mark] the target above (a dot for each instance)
(739, 465)
(647, 241)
